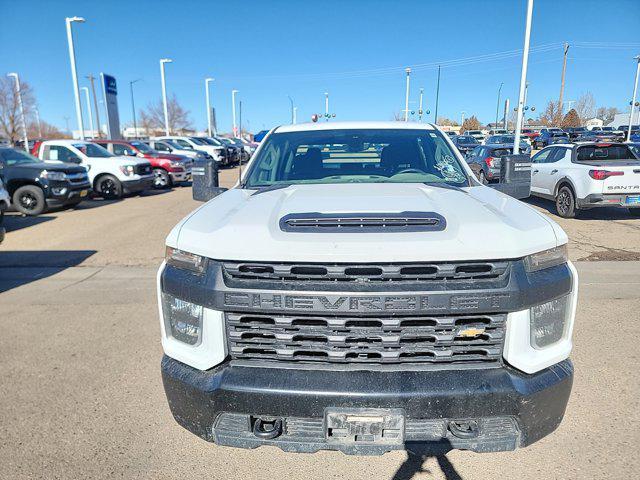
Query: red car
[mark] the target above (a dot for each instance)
(168, 169)
(531, 133)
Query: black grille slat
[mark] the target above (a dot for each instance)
(436, 339)
(315, 222)
(294, 272)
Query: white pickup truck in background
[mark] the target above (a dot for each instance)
(111, 176)
(587, 175)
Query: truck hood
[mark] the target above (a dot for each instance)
(481, 224)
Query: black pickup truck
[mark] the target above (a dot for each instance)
(34, 185)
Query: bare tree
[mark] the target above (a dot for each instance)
(551, 116)
(152, 118)
(10, 121)
(471, 123)
(607, 114)
(585, 106)
(48, 130)
(447, 122)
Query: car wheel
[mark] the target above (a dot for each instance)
(482, 178)
(109, 187)
(634, 212)
(161, 179)
(566, 203)
(29, 200)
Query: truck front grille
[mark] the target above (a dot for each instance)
(409, 272)
(143, 169)
(475, 339)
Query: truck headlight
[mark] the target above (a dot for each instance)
(183, 320)
(549, 322)
(185, 260)
(546, 258)
(127, 169)
(56, 176)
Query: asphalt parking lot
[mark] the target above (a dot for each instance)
(82, 395)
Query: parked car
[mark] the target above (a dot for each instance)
(217, 152)
(441, 314)
(477, 134)
(247, 148)
(498, 131)
(611, 131)
(575, 132)
(258, 137)
(465, 144)
(34, 185)
(111, 176)
(583, 176)
(168, 146)
(230, 154)
(451, 133)
(237, 151)
(485, 161)
(550, 136)
(530, 133)
(168, 169)
(4, 205)
(508, 140)
(635, 147)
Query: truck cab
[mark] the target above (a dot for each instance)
(111, 176)
(359, 290)
(217, 152)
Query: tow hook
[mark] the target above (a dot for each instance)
(464, 428)
(267, 430)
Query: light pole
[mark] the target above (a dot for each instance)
(462, 118)
(437, 96)
(633, 99)
(207, 81)
(326, 106)
(523, 78)
(38, 121)
(95, 103)
(406, 95)
(498, 104)
(133, 108)
(74, 75)
(86, 93)
(164, 94)
(233, 111)
(24, 123)
(295, 114)
(420, 107)
(293, 117)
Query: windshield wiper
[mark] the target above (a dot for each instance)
(447, 186)
(270, 188)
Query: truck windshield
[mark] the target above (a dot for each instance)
(92, 150)
(356, 156)
(142, 147)
(11, 156)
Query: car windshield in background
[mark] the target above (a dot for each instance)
(226, 141)
(467, 140)
(143, 147)
(212, 141)
(197, 141)
(11, 156)
(173, 144)
(92, 150)
(356, 156)
(599, 153)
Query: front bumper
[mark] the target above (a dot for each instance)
(3, 231)
(59, 194)
(180, 176)
(511, 409)
(138, 185)
(596, 200)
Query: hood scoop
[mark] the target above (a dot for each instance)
(315, 222)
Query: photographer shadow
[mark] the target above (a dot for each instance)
(417, 456)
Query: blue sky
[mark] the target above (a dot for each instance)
(356, 50)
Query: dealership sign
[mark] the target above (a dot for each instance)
(110, 94)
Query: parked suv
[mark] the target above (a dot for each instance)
(485, 160)
(168, 169)
(360, 291)
(217, 152)
(465, 144)
(587, 175)
(35, 186)
(228, 154)
(111, 176)
(549, 136)
(169, 146)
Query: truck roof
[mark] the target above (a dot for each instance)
(304, 127)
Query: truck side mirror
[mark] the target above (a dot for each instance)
(206, 184)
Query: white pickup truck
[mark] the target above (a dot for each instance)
(587, 175)
(360, 290)
(111, 176)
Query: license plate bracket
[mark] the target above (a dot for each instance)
(369, 426)
(632, 200)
